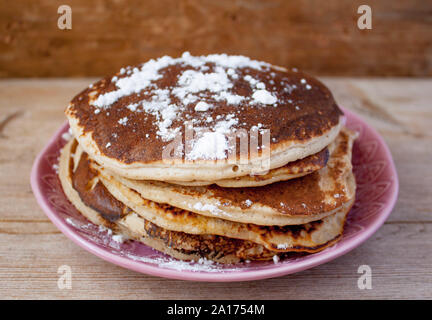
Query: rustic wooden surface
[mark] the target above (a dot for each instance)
(317, 36)
(32, 249)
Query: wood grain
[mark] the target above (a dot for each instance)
(316, 36)
(31, 247)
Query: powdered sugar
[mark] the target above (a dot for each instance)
(123, 121)
(105, 236)
(164, 111)
(214, 209)
(202, 106)
(264, 97)
(211, 146)
(202, 265)
(229, 97)
(197, 84)
(132, 107)
(119, 238)
(191, 80)
(105, 229)
(251, 80)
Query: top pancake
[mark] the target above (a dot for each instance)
(172, 119)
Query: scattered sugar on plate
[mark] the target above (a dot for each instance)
(202, 265)
(211, 146)
(105, 229)
(119, 238)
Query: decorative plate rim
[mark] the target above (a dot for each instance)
(228, 276)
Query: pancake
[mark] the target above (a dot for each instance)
(176, 244)
(292, 202)
(304, 238)
(88, 192)
(283, 239)
(291, 170)
(202, 118)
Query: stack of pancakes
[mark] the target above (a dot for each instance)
(218, 157)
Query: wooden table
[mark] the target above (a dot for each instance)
(400, 253)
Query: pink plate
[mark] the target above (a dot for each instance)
(377, 189)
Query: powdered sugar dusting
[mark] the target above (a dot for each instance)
(214, 209)
(248, 202)
(202, 265)
(202, 106)
(123, 121)
(202, 83)
(213, 145)
(116, 241)
(264, 96)
(138, 80)
(191, 81)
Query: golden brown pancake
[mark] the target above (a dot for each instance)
(134, 122)
(88, 192)
(292, 202)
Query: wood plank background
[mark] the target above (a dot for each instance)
(32, 248)
(320, 37)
